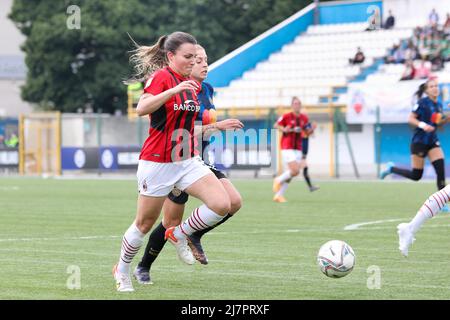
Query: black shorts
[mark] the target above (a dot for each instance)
(421, 150)
(182, 197)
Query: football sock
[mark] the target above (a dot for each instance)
(439, 167)
(132, 241)
(283, 189)
(155, 244)
(414, 174)
(284, 176)
(306, 175)
(430, 208)
(201, 218)
(200, 233)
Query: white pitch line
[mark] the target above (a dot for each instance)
(9, 188)
(58, 239)
(356, 226)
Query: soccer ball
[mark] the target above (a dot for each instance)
(336, 259)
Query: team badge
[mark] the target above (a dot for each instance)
(144, 186)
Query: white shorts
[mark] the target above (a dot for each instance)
(291, 155)
(157, 179)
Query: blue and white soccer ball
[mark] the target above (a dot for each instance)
(336, 259)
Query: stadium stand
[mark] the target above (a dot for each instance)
(311, 66)
(416, 53)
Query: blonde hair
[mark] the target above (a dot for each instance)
(148, 59)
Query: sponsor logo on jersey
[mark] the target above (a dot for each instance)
(188, 105)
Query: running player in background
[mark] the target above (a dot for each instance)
(291, 125)
(426, 116)
(309, 129)
(167, 158)
(174, 205)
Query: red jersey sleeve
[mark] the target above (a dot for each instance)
(282, 120)
(157, 83)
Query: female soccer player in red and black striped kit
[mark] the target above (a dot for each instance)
(291, 125)
(174, 205)
(167, 157)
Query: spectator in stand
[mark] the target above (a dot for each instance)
(436, 46)
(399, 54)
(424, 46)
(423, 71)
(446, 52)
(374, 20)
(433, 18)
(359, 57)
(390, 21)
(446, 26)
(409, 72)
(390, 57)
(416, 36)
(411, 51)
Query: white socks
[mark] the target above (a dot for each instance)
(284, 176)
(201, 218)
(430, 208)
(283, 188)
(131, 242)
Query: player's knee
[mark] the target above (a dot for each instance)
(171, 222)
(144, 225)
(221, 206)
(295, 172)
(235, 203)
(416, 174)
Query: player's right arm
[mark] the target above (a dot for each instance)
(414, 121)
(282, 129)
(149, 103)
(280, 125)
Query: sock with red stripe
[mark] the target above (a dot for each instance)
(201, 218)
(430, 208)
(131, 242)
(199, 234)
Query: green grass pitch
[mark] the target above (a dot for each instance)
(267, 251)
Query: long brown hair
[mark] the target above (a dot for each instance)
(148, 59)
(421, 90)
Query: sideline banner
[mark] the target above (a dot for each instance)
(394, 99)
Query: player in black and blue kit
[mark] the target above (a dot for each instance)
(426, 116)
(175, 203)
(309, 129)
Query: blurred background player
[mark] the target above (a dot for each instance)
(309, 129)
(426, 116)
(170, 99)
(291, 125)
(174, 205)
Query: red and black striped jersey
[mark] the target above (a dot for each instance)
(171, 133)
(292, 140)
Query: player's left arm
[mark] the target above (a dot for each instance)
(307, 126)
(443, 119)
(227, 124)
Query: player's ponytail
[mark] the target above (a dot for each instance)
(148, 59)
(419, 93)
